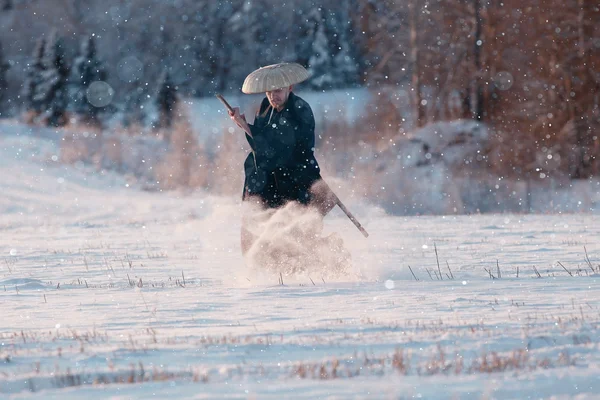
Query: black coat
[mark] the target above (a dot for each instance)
(281, 166)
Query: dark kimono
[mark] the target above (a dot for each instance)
(281, 166)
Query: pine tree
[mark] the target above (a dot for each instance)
(247, 31)
(53, 90)
(33, 80)
(327, 47)
(320, 63)
(303, 44)
(197, 41)
(7, 5)
(344, 61)
(133, 111)
(3, 82)
(166, 100)
(88, 68)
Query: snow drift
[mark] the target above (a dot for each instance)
(289, 242)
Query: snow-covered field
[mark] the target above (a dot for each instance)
(107, 291)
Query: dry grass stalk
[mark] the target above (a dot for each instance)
(437, 259)
(451, 274)
(587, 260)
(569, 272)
(430, 277)
(413, 274)
(490, 273)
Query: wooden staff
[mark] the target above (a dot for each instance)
(229, 108)
(325, 209)
(351, 217)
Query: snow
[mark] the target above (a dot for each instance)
(109, 291)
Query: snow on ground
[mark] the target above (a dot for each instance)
(108, 291)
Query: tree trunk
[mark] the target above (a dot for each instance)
(582, 144)
(419, 107)
(477, 83)
(580, 28)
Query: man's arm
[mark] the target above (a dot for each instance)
(240, 120)
(252, 131)
(317, 191)
(305, 138)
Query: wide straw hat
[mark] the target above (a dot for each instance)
(274, 77)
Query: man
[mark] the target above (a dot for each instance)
(281, 166)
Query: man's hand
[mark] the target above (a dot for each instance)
(323, 197)
(239, 119)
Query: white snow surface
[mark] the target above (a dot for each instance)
(108, 291)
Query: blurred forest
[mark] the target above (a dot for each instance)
(529, 70)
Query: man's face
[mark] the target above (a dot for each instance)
(278, 97)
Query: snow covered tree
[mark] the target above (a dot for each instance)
(133, 110)
(211, 45)
(88, 68)
(345, 61)
(32, 104)
(196, 43)
(52, 91)
(303, 44)
(214, 34)
(166, 100)
(249, 28)
(325, 44)
(320, 63)
(222, 45)
(3, 82)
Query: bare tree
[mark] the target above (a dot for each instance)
(417, 97)
(477, 106)
(4, 66)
